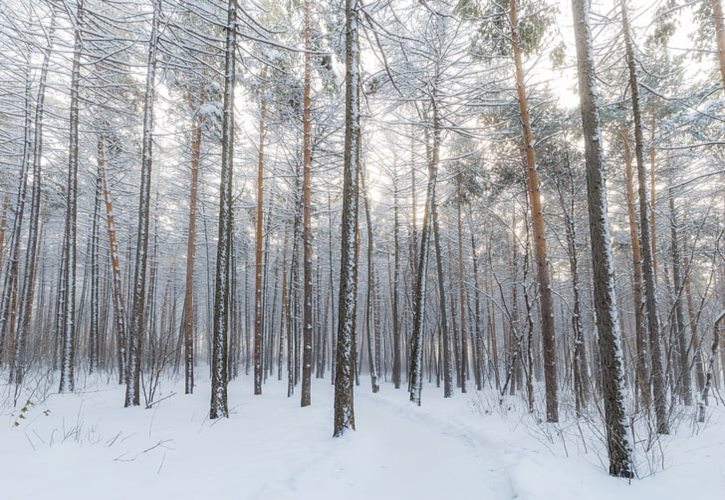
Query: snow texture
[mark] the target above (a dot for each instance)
(87, 447)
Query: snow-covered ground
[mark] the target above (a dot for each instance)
(86, 446)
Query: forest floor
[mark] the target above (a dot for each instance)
(86, 446)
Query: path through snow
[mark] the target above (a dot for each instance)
(88, 447)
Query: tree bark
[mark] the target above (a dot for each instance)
(119, 308)
(307, 319)
(443, 316)
(461, 287)
(395, 288)
(658, 383)
(684, 380)
(619, 446)
(187, 313)
(31, 249)
(642, 343)
(537, 219)
(415, 376)
(68, 313)
(220, 326)
(371, 312)
(344, 413)
(259, 260)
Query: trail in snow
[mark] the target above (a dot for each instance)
(88, 447)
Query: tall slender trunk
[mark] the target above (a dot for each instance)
(4, 226)
(415, 376)
(284, 319)
(684, 380)
(478, 341)
(695, 340)
(119, 308)
(294, 319)
(138, 318)
(579, 362)
(658, 382)
(514, 335)
(8, 307)
(31, 249)
(344, 418)
(94, 330)
(443, 316)
(371, 312)
(619, 446)
(642, 342)
(537, 219)
(220, 325)
(461, 287)
(68, 315)
(710, 367)
(187, 311)
(396, 287)
(653, 191)
(306, 396)
(259, 259)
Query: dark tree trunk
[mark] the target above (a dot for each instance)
(68, 313)
(344, 419)
(619, 447)
(220, 326)
(648, 271)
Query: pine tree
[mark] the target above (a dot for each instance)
(619, 446)
(344, 419)
(220, 327)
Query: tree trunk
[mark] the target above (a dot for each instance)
(307, 319)
(415, 376)
(259, 259)
(642, 343)
(653, 192)
(10, 281)
(537, 219)
(344, 418)
(443, 319)
(3, 227)
(695, 340)
(94, 330)
(370, 312)
(579, 361)
(619, 447)
(31, 249)
(68, 314)
(138, 319)
(187, 313)
(461, 288)
(710, 368)
(684, 380)
(220, 325)
(395, 288)
(119, 308)
(648, 272)
(478, 341)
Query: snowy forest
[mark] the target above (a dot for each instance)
(330, 249)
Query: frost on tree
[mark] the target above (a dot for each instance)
(619, 443)
(220, 325)
(344, 418)
(136, 332)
